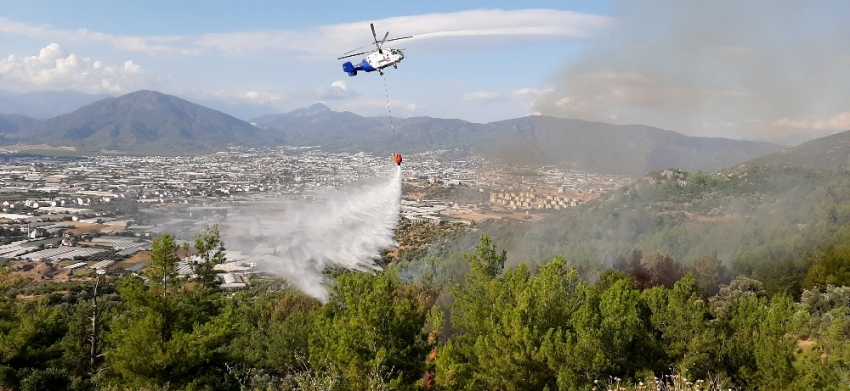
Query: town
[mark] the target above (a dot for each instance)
(66, 218)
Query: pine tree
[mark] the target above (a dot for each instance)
(210, 249)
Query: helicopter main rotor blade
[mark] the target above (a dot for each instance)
(354, 50)
(375, 36)
(379, 45)
(396, 39)
(352, 55)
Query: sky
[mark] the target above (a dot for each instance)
(758, 70)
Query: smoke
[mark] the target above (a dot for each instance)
(298, 240)
(765, 70)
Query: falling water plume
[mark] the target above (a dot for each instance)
(298, 239)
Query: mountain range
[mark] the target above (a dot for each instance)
(48, 104)
(144, 122)
(149, 122)
(591, 146)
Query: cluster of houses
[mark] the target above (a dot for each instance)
(530, 201)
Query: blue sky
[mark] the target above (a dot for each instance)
(759, 70)
(469, 77)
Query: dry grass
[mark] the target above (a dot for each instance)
(40, 271)
(84, 228)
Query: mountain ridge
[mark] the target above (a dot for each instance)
(12, 123)
(145, 121)
(831, 151)
(596, 146)
(149, 122)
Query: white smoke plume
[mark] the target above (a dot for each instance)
(298, 240)
(763, 70)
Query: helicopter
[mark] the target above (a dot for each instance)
(376, 60)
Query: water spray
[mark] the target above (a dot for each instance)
(298, 239)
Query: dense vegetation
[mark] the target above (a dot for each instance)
(764, 222)
(731, 280)
(506, 329)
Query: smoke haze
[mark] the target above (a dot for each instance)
(297, 240)
(763, 70)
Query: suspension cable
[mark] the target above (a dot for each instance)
(386, 91)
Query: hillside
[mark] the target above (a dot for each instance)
(827, 152)
(591, 146)
(12, 123)
(146, 122)
(765, 219)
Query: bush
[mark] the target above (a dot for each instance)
(49, 379)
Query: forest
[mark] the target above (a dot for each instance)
(688, 281)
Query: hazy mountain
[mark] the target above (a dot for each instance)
(826, 152)
(12, 123)
(307, 111)
(152, 122)
(316, 108)
(603, 147)
(243, 111)
(44, 104)
(147, 122)
(592, 146)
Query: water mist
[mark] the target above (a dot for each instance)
(299, 239)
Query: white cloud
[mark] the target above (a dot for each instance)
(338, 90)
(839, 121)
(378, 107)
(262, 97)
(151, 44)
(530, 93)
(52, 69)
(482, 96)
(451, 30)
(431, 32)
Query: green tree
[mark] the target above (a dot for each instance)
(775, 345)
(29, 333)
(166, 335)
(682, 319)
(474, 303)
(210, 249)
(546, 331)
(273, 331)
(371, 331)
(831, 267)
(709, 273)
(739, 323)
(162, 269)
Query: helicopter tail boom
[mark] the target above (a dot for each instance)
(349, 68)
(352, 69)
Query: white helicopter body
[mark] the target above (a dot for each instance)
(375, 60)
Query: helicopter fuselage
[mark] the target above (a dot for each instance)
(375, 61)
